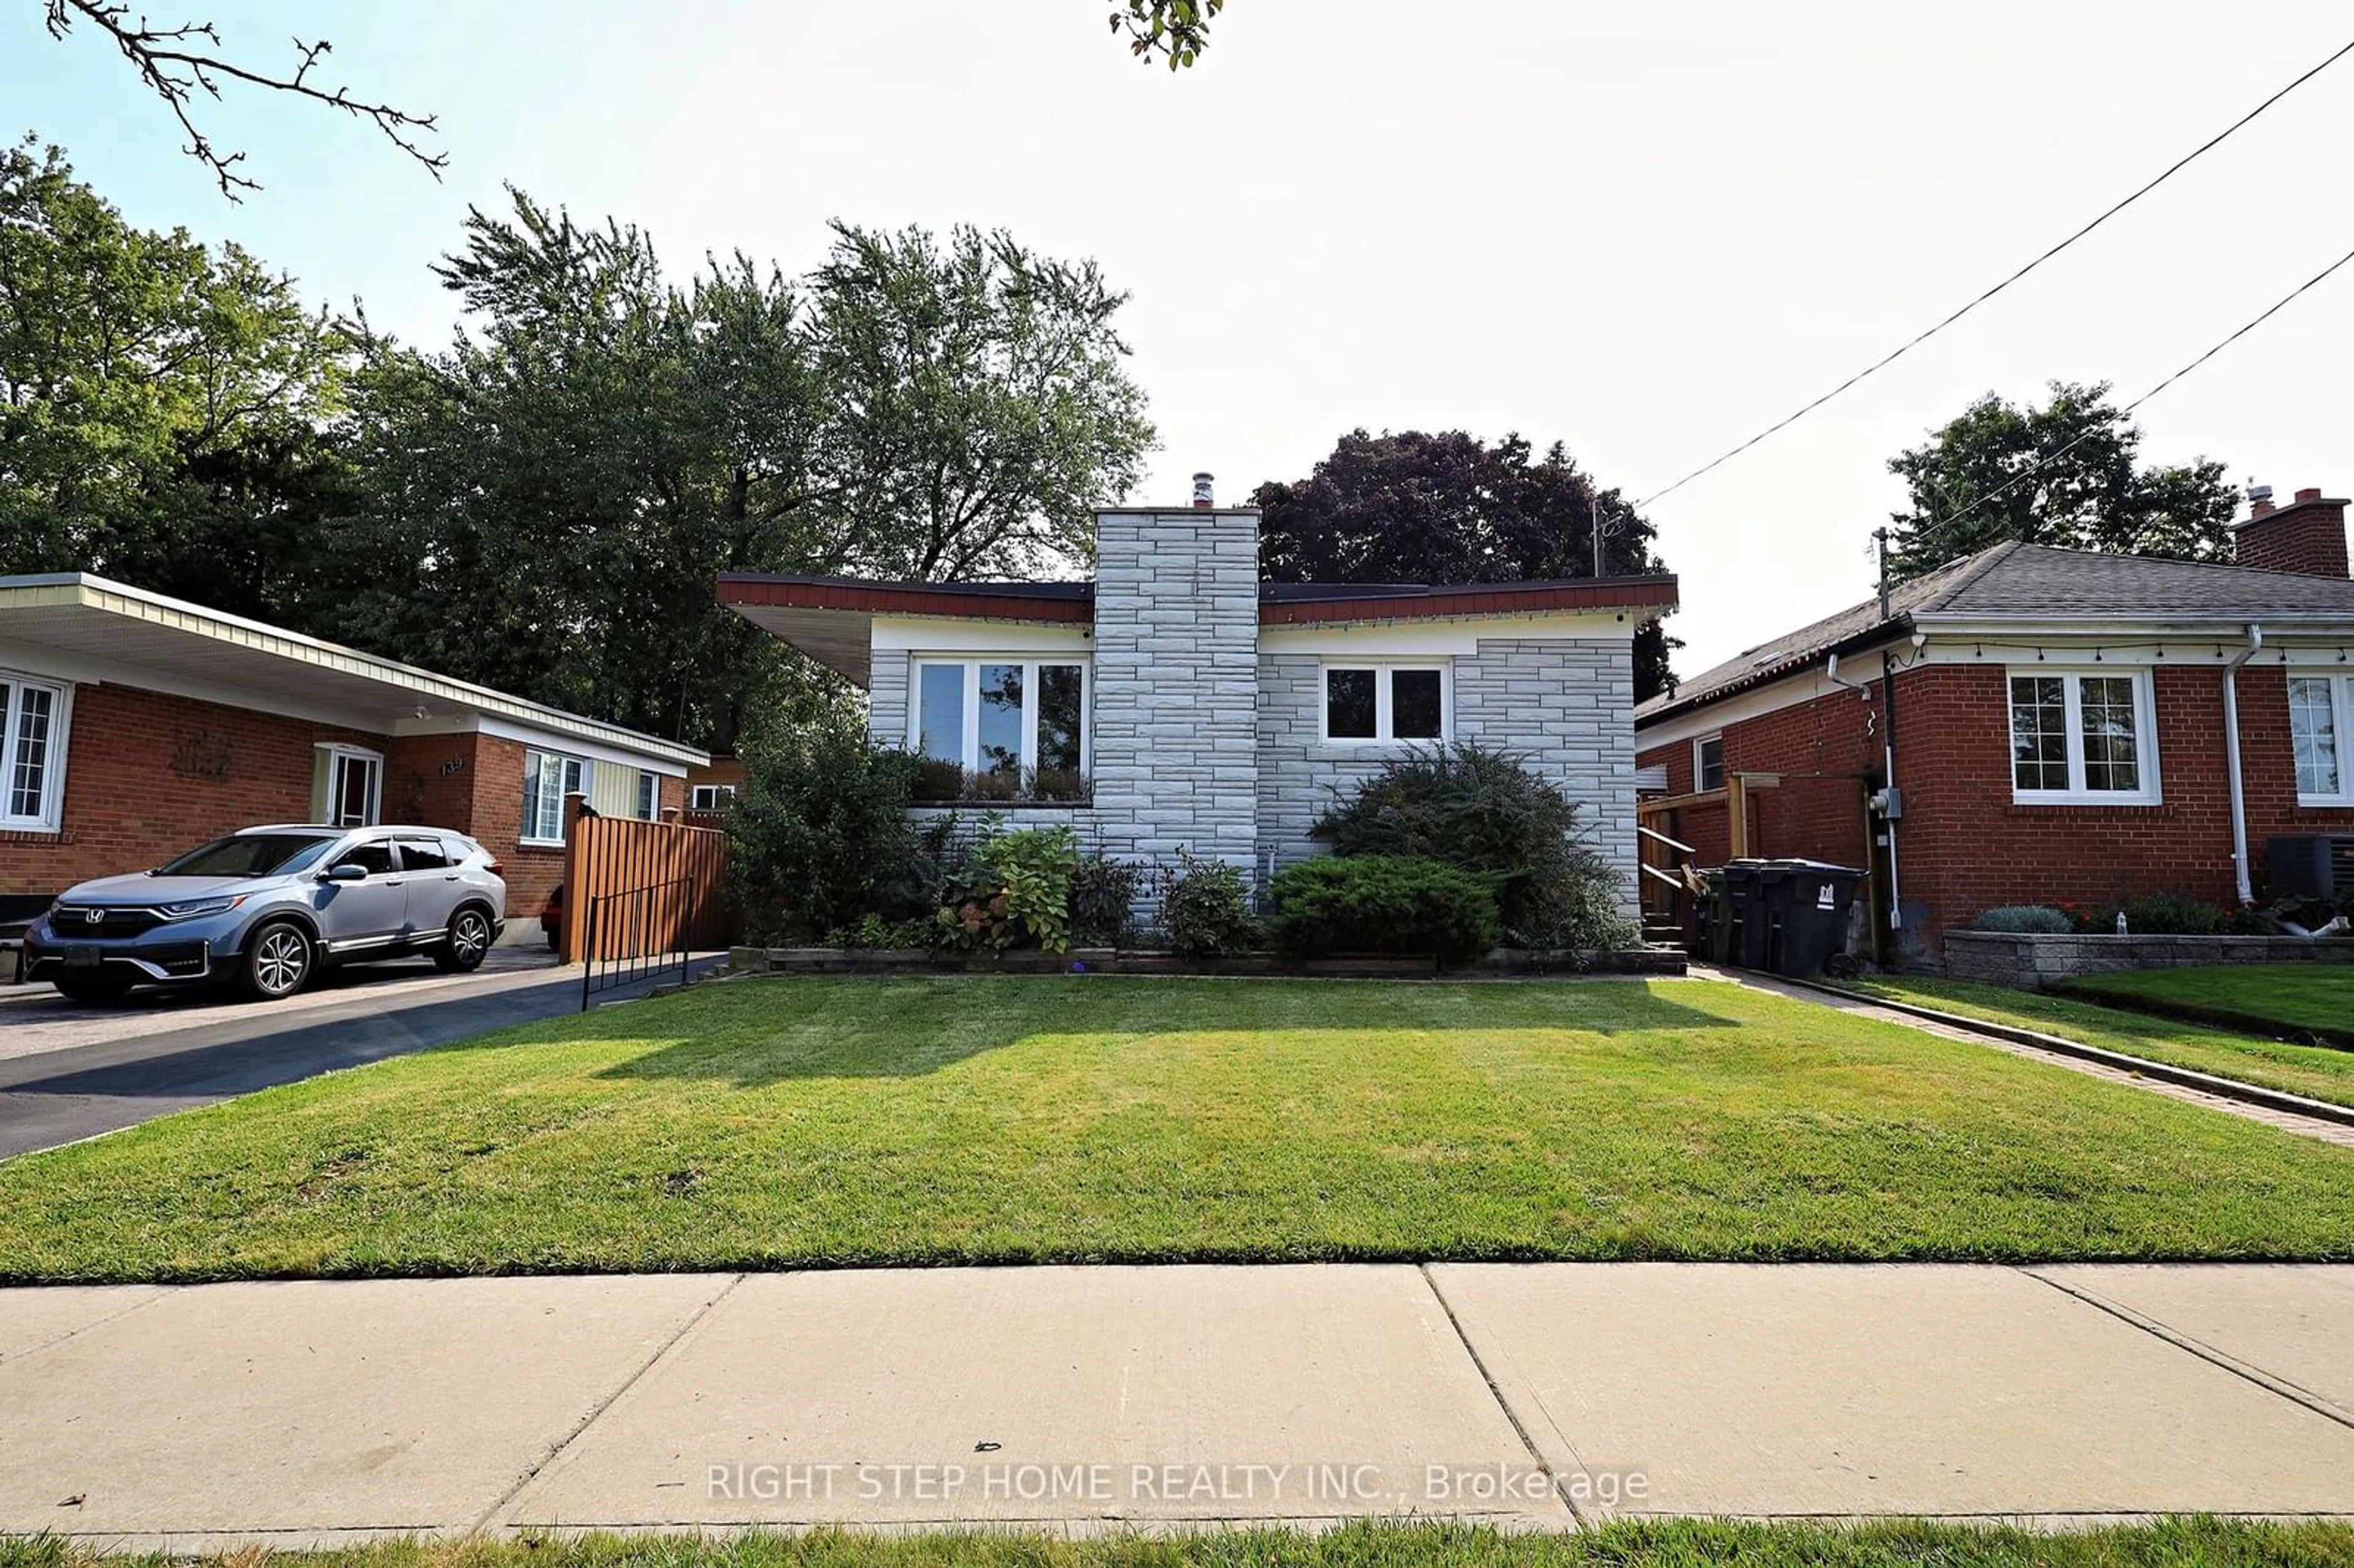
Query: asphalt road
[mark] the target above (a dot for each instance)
(69, 1073)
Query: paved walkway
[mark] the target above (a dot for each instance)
(1087, 1398)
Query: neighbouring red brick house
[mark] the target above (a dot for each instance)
(2062, 730)
(134, 727)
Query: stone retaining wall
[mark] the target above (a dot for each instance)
(1503, 963)
(2037, 962)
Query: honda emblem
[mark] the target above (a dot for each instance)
(94, 916)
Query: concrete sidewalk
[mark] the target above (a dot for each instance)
(1092, 1398)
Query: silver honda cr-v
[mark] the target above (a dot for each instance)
(268, 907)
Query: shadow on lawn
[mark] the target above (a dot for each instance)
(910, 1030)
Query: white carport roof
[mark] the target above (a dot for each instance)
(91, 628)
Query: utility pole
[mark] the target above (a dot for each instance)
(1594, 505)
(1888, 745)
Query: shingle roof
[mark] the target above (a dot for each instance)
(2031, 580)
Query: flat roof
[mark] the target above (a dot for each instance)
(831, 618)
(113, 624)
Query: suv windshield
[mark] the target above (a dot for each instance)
(249, 854)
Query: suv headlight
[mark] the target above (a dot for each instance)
(196, 907)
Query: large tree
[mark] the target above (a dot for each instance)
(2067, 474)
(598, 442)
(162, 404)
(1448, 507)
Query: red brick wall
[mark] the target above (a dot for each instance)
(148, 775)
(1962, 845)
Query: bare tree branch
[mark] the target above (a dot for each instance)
(177, 62)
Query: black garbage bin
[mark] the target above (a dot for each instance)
(1807, 904)
(1748, 930)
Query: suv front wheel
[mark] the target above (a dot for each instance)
(278, 962)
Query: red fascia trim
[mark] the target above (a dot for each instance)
(865, 599)
(1635, 593)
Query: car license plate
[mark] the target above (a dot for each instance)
(81, 958)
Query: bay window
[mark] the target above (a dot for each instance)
(1387, 701)
(32, 758)
(1010, 726)
(2083, 737)
(2320, 709)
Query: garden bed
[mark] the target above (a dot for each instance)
(1503, 962)
(2036, 960)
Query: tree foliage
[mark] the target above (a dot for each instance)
(599, 443)
(2066, 474)
(1446, 507)
(163, 406)
(1176, 31)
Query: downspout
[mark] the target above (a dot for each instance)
(2231, 761)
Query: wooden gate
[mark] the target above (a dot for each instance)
(678, 873)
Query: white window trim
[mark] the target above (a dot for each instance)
(50, 819)
(1384, 723)
(2071, 697)
(336, 752)
(648, 803)
(1700, 777)
(530, 763)
(709, 796)
(970, 742)
(2341, 701)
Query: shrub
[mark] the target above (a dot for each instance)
(872, 933)
(1382, 903)
(819, 835)
(1013, 890)
(1103, 901)
(2166, 914)
(2024, 919)
(1205, 910)
(941, 782)
(1486, 812)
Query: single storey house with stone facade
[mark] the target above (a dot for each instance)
(2063, 728)
(1177, 701)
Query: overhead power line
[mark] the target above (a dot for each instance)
(1889, 358)
(2016, 481)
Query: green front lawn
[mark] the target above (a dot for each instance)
(2315, 1001)
(2193, 1542)
(2318, 1072)
(986, 1119)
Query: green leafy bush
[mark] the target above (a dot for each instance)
(819, 835)
(1013, 890)
(1488, 814)
(2024, 919)
(1382, 903)
(1103, 901)
(874, 933)
(2168, 915)
(1205, 908)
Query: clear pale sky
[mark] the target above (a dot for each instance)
(1645, 230)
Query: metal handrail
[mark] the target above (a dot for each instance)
(1676, 883)
(1654, 833)
(633, 914)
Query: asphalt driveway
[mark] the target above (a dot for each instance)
(70, 1072)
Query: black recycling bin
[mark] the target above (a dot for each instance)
(1807, 904)
(1748, 925)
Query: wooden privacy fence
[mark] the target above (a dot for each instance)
(677, 874)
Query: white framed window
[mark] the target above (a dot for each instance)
(1013, 718)
(1402, 704)
(347, 785)
(1708, 762)
(710, 796)
(32, 753)
(2320, 718)
(2083, 737)
(649, 795)
(548, 778)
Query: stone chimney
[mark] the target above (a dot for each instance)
(2307, 535)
